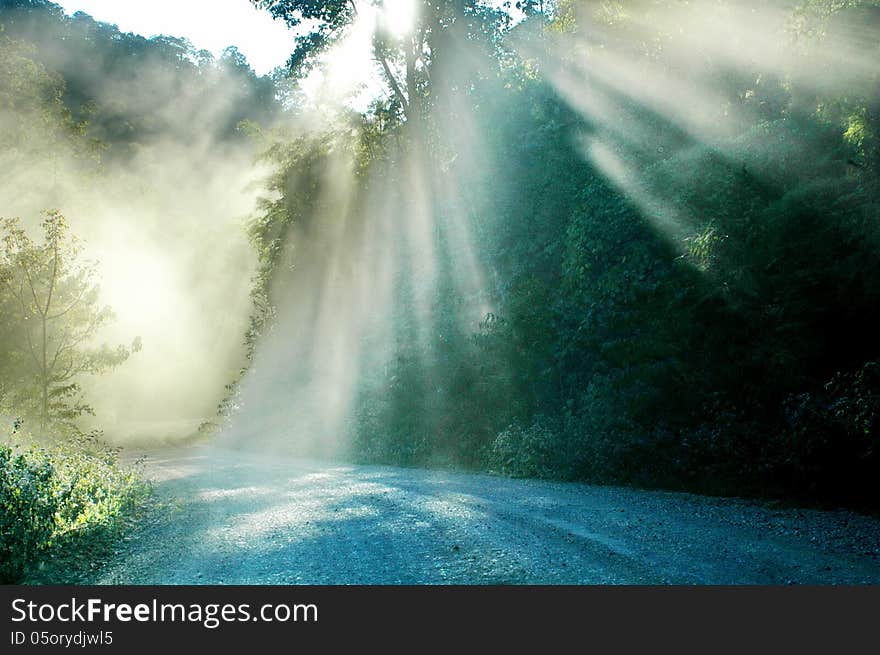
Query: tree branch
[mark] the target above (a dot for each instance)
(81, 295)
(395, 86)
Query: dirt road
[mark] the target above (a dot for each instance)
(239, 518)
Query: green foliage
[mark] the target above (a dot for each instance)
(534, 451)
(326, 20)
(38, 133)
(830, 438)
(411, 62)
(53, 317)
(30, 97)
(29, 499)
(121, 90)
(63, 507)
(671, 326)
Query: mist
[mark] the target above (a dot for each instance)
(630, 244)
(379, 263)
(394, 259)
(531, 241)
(162, 211)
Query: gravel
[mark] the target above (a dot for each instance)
(238, 518)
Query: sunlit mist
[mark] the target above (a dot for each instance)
(163, 219)
(654, 80)
(348, 72)
(391, 239)
(438, 291)
(399, 16)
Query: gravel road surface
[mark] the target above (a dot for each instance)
(238, 518)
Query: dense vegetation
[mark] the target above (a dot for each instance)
(599, 249)
(706, 321)
(63, 508)
(125, 90)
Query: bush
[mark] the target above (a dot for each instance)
(830, 443)
(63, 505)
(533, 451)
(29, 501)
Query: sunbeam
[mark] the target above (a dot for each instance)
(399, 16)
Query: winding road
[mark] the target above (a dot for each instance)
(239, 518)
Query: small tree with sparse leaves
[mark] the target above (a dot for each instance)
(51, 320)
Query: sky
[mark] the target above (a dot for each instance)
(208, 24)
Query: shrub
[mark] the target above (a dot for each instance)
(830, 443)
(64, 504)
(531, 451)
(29, 502)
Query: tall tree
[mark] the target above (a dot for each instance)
(405, 55)
(55, 322)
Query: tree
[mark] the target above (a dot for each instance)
(405, 57)
(37, 131)
(53, 322)
(56, 73)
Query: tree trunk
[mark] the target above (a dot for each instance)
(44, 380)
(412, 110)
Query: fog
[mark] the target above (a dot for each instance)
(653, 81)
(164, 218)
(364, 271)
(382, 269)
(369, 270)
